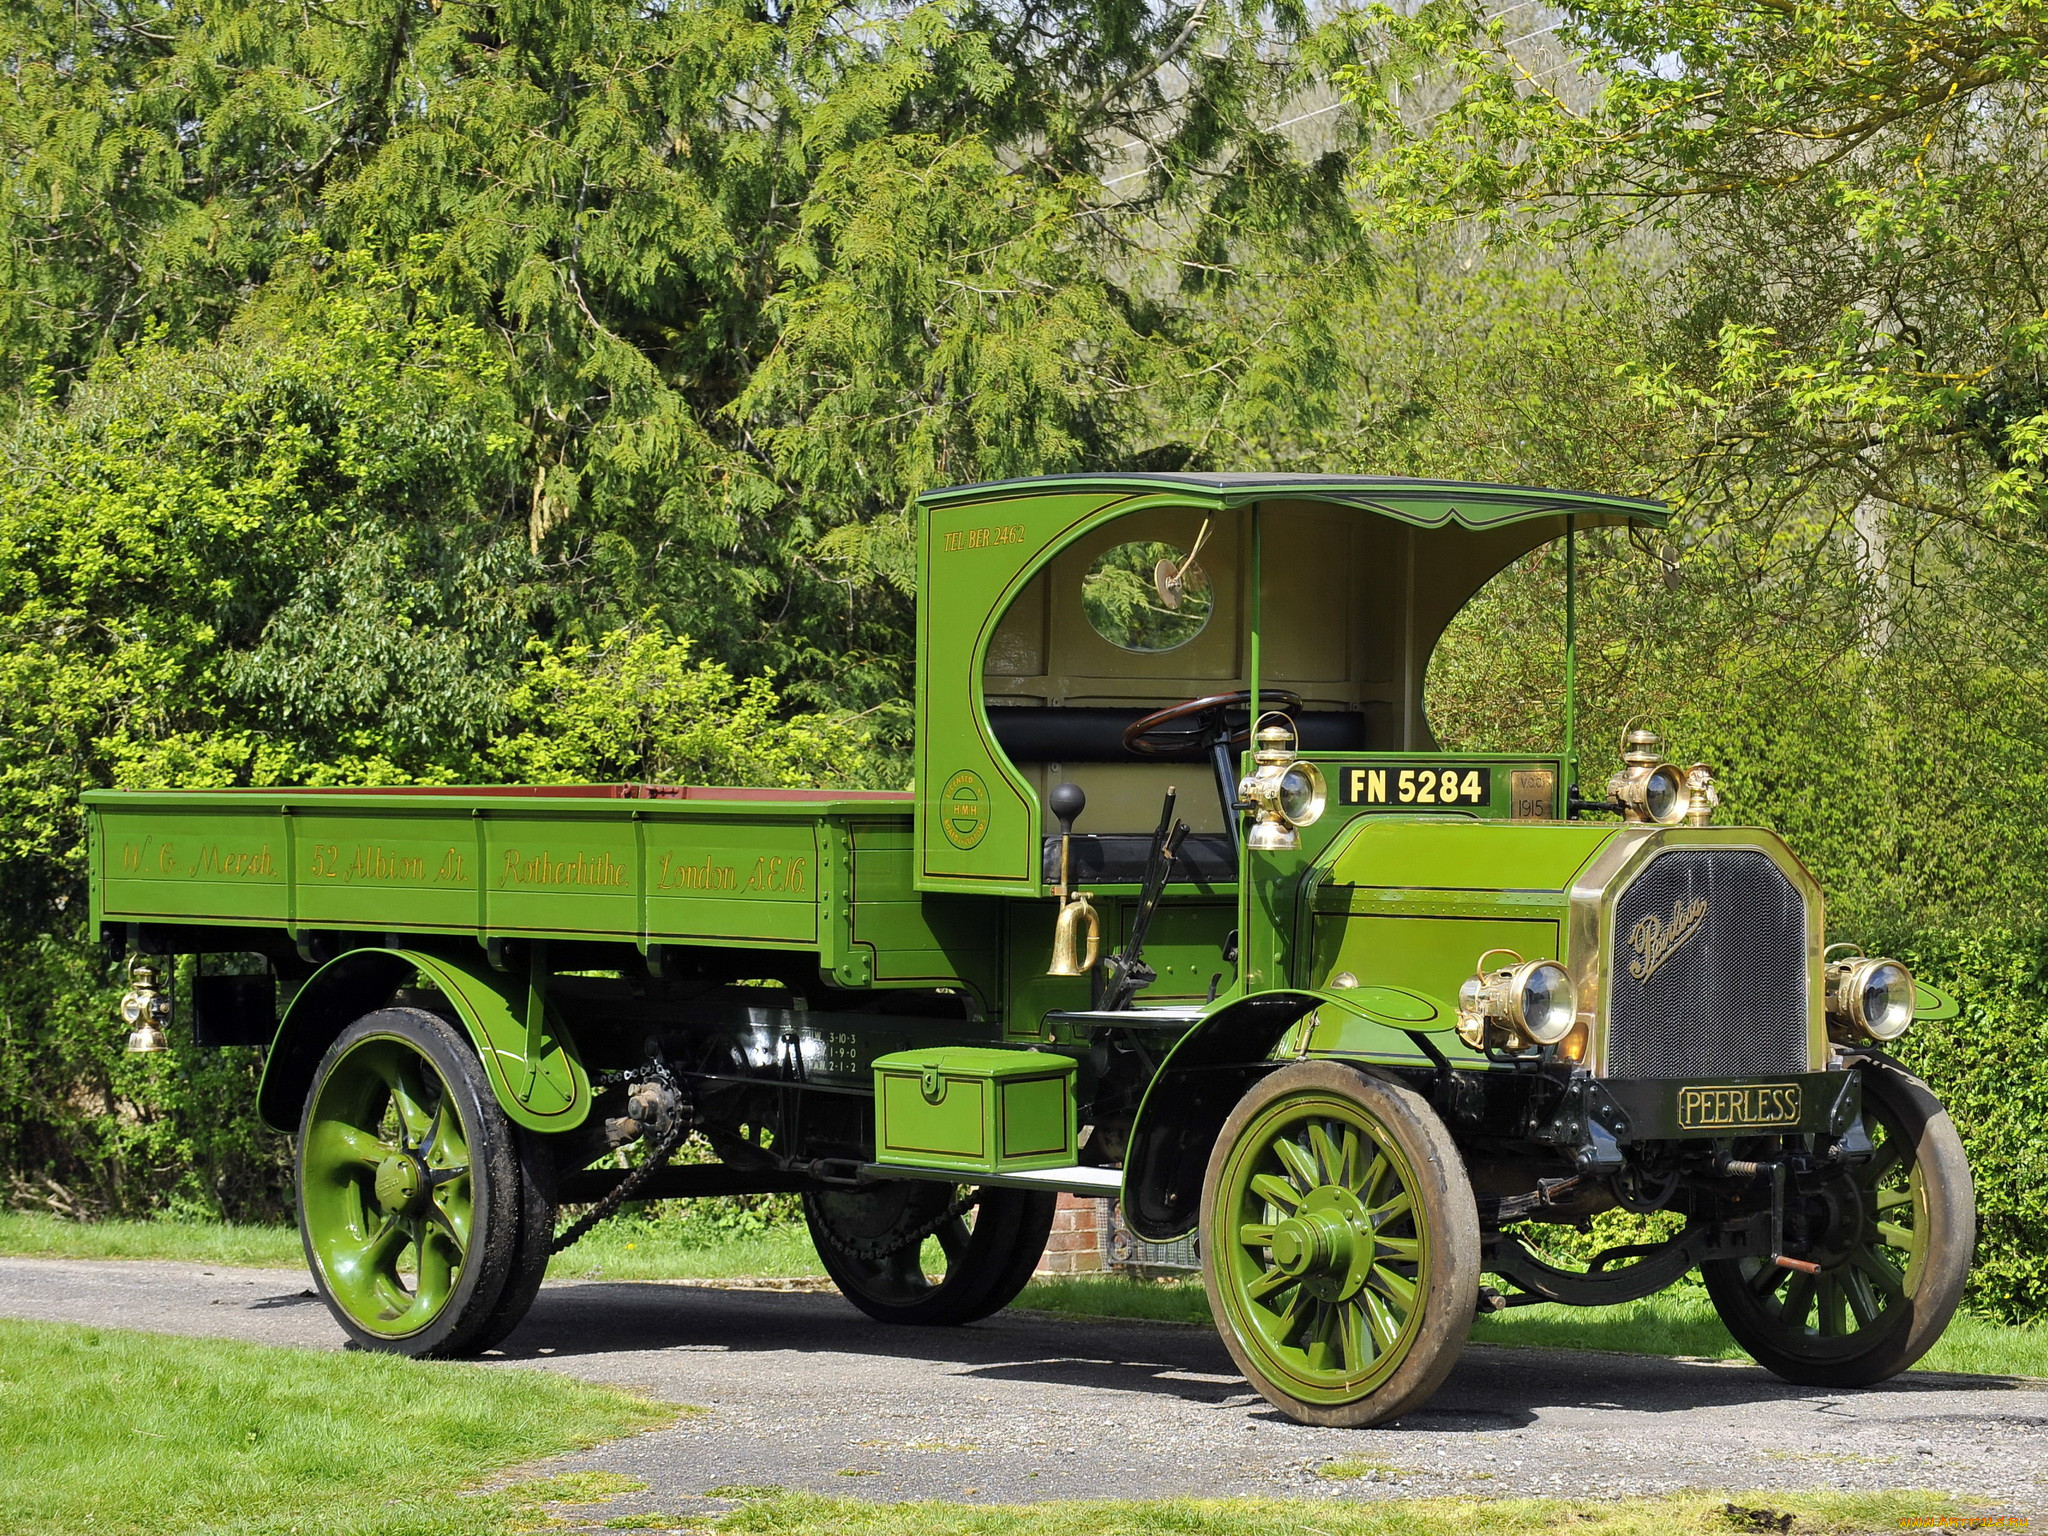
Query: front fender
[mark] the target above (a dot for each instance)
(548, 1091)
(1212, 1065)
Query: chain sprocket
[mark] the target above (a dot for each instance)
(679, 1128)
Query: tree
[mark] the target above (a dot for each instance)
(1858, 201)
(756, 275)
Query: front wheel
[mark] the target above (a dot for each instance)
(1892, 1239)
(1340, 1241)
(412, 1191)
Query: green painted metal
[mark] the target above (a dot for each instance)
(386, 1194)
(1931, 1004)
(530, 1058)
(1323, 1246)
(570, 863)
(974, 1110)
(1425, 503)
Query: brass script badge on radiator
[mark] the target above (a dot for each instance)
(1655, 941)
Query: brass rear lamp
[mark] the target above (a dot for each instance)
(145, 1010)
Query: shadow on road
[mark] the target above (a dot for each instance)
(1493, 1387)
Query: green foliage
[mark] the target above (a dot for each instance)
(281, 560)
(1990, 1067)
(634, 707)
(751, 278)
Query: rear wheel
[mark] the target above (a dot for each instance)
(914, 1251)
(1892, 1238)
(1340, 1241)
(410, 1187)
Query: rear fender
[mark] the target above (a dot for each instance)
(545, 1090)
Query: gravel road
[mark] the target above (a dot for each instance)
(807, 1393)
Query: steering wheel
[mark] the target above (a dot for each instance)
(1207, 729)
(1149, 737)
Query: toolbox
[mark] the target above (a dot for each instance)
(974, 1109)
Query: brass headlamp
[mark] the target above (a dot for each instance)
(1650, 789)
(1287, 794)
(1529, 1003)
(1870, 999)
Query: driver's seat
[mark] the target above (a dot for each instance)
(1078, 734)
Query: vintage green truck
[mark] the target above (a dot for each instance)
(1186, 907)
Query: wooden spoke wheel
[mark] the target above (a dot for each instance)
(414, 1189)
(1340, 1240)
(915, 1251)
(1892, 1238)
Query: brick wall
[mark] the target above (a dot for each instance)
(1076, 1244)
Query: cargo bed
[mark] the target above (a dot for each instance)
(650, 865)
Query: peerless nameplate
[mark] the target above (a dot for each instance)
(1744, 1106)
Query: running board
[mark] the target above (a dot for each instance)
(1107, 1183)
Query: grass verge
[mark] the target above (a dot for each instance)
(1689, 1514)
(132, 1434)
(616, 1251)
(27, 1234)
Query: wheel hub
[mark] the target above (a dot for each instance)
(1326, 1245)
(1839, 1222)
(401, 1183)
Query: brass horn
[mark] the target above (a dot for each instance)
(1067, 957)
(1077, 914)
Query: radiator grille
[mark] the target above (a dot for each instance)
(1709, 968)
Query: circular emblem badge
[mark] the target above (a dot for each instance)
(963, 809)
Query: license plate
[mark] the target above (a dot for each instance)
(1744, 1106)
(1459, 785)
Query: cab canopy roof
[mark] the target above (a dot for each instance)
(1335, 588)
(1420, 503)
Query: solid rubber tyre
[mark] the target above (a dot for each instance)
(1340, 1243)
(402, 1147)
(1894, 1260)
(987, 1260)
(536, 1241)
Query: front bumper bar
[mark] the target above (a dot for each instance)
(1711, 1108)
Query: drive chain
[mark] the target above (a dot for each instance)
(888, 1247)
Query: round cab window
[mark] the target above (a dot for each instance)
(1147, 596)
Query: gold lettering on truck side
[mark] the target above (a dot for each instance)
(981, 538)
(677, 874)
(582, 869)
